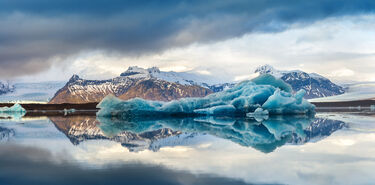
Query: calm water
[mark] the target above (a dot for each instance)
(328, 149)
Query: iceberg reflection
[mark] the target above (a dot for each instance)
(147, 134)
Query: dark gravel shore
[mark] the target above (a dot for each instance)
(90, 108)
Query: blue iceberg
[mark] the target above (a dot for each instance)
(15, 108)
(265, 92)
(15, 112)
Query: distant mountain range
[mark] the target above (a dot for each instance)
(32, 92)
(315, 85)
(151, 84)
(183, 78)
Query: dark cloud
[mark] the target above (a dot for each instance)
(33, 32)
(27, 165)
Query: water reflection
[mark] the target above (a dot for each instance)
(218, 149)
(146, 134)
(12, 115)
(28, 165)
(6, 134)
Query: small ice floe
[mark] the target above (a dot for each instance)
(68, 111)
(259, 114)
(258, 111)
(372, 107)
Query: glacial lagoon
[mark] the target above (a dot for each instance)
(329, 148)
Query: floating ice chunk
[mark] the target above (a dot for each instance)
(259, 114)
(283, 103)
(68, 111)
(15, 112)
(270, 94)
(15, 108)
(372, 107)
(258, 111)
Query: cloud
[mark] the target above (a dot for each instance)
(343, 72)
(34, 34)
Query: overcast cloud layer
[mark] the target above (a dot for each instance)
(35, 35)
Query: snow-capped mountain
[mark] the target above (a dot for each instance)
(79, 90)
(5, 87)
(183, 78)
(315, 85)
(32, 91)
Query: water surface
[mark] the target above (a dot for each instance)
(325, 149)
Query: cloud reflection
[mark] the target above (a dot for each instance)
(29, 165)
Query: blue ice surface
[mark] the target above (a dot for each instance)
(15, 108)
(264, 136)
(264, 92)
(15, 112)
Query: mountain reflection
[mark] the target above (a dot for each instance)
(264, 135)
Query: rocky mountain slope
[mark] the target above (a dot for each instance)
(315, 85)
(78, 90)
(183, 78)
(152, 89)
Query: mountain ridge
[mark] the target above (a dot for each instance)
(315, 85)
(78, 90)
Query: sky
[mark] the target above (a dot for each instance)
(44, 40)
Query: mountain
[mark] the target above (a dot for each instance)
(183, 78)
(129, 85)
(5, 88)
(152, 89)
(32, 91)
(315, 85)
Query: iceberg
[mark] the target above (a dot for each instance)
(68, 111)
(15, 112)
(265, 92)
(15, 108)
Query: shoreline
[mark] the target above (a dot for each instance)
(89, 109)
(92, 105)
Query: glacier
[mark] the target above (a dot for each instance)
(264, 92)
